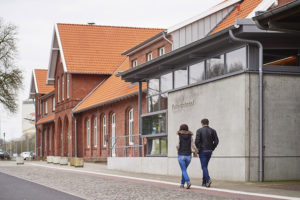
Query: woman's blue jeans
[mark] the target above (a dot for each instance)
(204, 159)
(184, 162)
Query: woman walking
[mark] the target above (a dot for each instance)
(185, 147)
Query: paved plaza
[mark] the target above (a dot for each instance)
(94, 181)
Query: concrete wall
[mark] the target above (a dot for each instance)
(281, 127)
(231, 105)
(223, 102)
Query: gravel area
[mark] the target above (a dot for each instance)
(89, 186)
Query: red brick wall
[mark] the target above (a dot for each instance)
(121, 109)
(141, 55)
(80, 86)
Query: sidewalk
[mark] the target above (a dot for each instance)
(282, 188)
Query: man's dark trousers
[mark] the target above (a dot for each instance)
(204, 159)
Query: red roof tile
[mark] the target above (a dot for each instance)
(242, 10)
(47, 119)
(112, 89)
(97, 49)
(40, 78)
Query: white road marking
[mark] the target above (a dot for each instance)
(171, 183)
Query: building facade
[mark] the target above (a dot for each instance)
(218, 77)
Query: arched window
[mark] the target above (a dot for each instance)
(88, 134)
(95, 132)
(104, 130)
(130, 126)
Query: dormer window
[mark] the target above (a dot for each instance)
(134, 63)
(161, 51)
(149, 56)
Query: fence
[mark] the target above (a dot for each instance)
(127, 146)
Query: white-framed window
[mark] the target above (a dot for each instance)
(41, 104)
(162, 51)
(46, 107)
(68, 85)
(130, 126)
(58, 90)
(88, 133)
(134, 63)
(53, 104)
(149, 56)
(95, 132)
(104, 130)
(113, 134)
(62, 87)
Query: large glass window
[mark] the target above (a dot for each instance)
(153, 103)
(154, 124)
(215, 66)
(180, 78)
(197, 72)
(153, 87)
(166, 82)
(236, 60)
(157, 146)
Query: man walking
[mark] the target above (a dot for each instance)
(206, 142)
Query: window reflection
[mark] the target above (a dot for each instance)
(154, 124)
(180, 77)
(153, 103)
(153, 86)
(164, 101)
(157, 146)
(197, 72)
(236, 60)
(215, 66)
(166, 82)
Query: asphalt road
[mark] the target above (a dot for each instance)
(12, 188)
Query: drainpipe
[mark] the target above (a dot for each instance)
(260, 86)
(140, 99)
(75, 134)
(164, 36)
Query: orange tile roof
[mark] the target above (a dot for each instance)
(40, 78)
(109, 91)
(47, 119)
(242, 10)
(97, 49)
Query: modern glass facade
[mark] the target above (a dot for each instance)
(154, 123)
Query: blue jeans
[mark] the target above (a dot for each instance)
(184, 162)
(204, 159)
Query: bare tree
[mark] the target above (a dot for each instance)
(10, 75)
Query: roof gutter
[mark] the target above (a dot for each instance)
(260, 86)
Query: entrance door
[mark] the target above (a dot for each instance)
(113, 134)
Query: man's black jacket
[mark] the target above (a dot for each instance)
(206, 139)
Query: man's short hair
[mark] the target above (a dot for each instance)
(205, 121)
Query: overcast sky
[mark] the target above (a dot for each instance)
(35, 20)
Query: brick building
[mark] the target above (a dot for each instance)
(82, 57)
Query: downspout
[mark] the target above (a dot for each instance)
(164, 36)
(260, 86)
(75, 129)
(140, 101)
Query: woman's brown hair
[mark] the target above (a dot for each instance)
(184, 127)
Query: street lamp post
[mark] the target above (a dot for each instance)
(4, 141)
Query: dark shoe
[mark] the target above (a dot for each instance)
(181, 186)
(188, 186)
(208, 183)
(203, 185)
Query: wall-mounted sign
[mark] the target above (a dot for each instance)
(183, 105)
